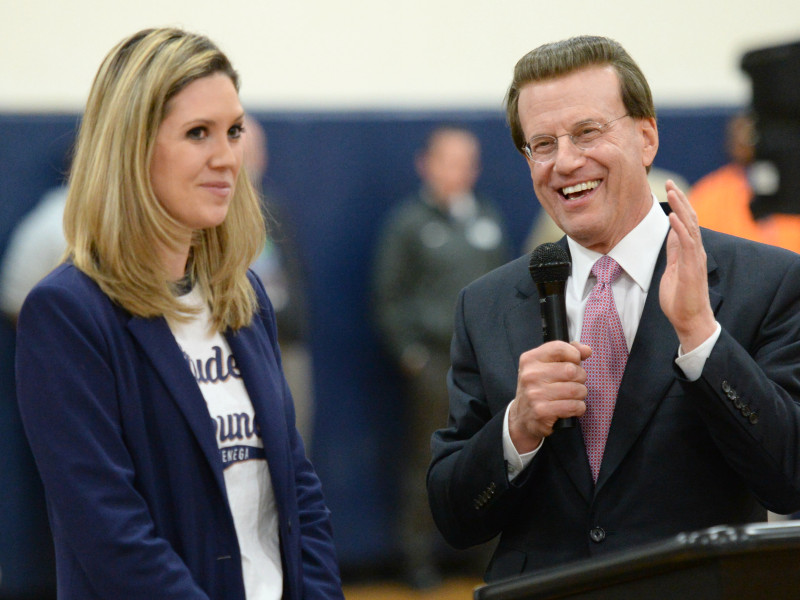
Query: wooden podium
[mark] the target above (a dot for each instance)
(760, 561)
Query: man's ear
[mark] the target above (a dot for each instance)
(649, 132)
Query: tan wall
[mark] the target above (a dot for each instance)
(322, 54)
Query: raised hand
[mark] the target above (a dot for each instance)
(683, 292)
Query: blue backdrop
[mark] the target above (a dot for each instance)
(336, 175)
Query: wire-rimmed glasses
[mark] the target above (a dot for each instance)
(542, 148)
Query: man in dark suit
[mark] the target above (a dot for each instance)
(705, 422)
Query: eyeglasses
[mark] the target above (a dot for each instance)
(542, 148)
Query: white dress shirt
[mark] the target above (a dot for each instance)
(637, 254)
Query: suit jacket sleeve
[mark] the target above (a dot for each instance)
(749, 391)
(470, 496)
(70, 406)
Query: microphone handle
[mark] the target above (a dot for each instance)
(554, 327)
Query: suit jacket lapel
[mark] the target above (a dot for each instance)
(648, 374)
(524, 329)
(160, 347)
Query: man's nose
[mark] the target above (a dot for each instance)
(567, 156)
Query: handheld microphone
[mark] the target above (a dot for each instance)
(549, 268)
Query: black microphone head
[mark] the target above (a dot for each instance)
(549, 263)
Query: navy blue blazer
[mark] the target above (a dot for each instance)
(680, 455)
(126, 449)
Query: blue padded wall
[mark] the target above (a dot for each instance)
(336, 175)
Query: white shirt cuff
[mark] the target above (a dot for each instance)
(692, 363)
(515, 462)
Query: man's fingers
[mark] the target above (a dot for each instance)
(557, 351)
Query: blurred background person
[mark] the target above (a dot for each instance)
(282, 270)
(431, 245)
(35, 248)
(722, 198)
(148, 370)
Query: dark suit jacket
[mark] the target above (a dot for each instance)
(680, 455)
(127, 452)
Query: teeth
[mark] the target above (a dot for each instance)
(580, 187)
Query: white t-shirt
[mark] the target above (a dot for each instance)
(247, 479)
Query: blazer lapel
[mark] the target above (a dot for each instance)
(648, 374)
(165, 355)
(263, 381)
(524, 329)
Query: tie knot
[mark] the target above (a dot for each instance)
(606, 269)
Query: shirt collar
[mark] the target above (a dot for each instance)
(635, 253)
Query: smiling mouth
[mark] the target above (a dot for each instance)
(572, 192)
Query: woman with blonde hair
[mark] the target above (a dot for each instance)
(148, 370)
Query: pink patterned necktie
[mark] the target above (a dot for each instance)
(602, 331)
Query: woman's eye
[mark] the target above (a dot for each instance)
(196, 133)
(236, 131)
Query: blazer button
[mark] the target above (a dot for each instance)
(597, 534)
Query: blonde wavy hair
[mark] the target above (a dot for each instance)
(113, 222)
